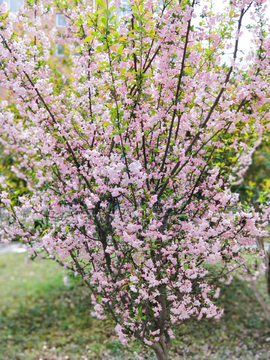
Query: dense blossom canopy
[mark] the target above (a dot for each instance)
(130, 150)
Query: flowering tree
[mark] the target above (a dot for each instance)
(129, 155)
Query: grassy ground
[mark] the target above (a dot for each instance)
(41, 318)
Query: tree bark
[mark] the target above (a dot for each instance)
(162, 349)
(162, 356)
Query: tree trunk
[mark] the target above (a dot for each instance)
(162, 349)
(162, 356)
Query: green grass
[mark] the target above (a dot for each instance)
(41, 318)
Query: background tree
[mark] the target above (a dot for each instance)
(130, 158)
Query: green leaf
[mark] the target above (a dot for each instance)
(101, 3)
(120, 49)
(103, 20)
(88, 38)
(45, 231)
